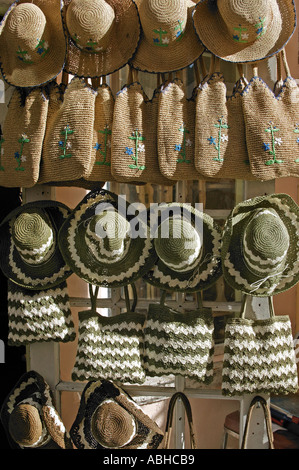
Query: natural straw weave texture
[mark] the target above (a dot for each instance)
(32, 42)
(39, 316)
(244, 31)
(66, 153)
(23, 134)
(102, 35)
(271, 124)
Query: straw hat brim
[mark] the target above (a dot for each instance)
(211, 31)
(28, 386)
(149, 58)
(139, 258)
(235, 271)
(14, 72)
(205, 273)
(124, 42)
(148, 434)
(45, 275)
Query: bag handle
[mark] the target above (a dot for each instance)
(127, 298)
(281, 64)
(267, 416)
(169, 420)
(244, 306)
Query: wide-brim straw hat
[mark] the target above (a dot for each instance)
(244, 31)
(188, 259)
(32, 43)
(108, 418)
(99, 243)
(102, 35)
(30, 418)
(29, 252)
(260, 245)
(168, 39)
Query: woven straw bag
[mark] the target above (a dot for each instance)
(23, 133)
(179, 343)
(259, 355)
(66, 154)
(134, 156)
(268, 420)
(271, 124)
(110, 347)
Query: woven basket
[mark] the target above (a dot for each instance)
(66, 154)
(23, 133)
(271, 124)
(134, 156)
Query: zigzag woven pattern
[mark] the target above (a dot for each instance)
(259, 357)
(110, 347)
(179, 343)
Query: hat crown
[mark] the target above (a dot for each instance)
(26, 28)
(25, 426)
(247, 21)
(163, 23)
(90, 24)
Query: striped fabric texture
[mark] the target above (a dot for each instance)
(179, 343)
(39, 316)
(110, 347)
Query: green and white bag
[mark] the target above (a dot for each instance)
(179, 343)
(110, 347)
(259, 355)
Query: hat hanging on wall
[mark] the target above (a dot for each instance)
(245, 31)
(30, 418)
(168, 40)
(32, 43)
(99, 243)
(187, 243)
(29, 253)
(260, 245)
(108, 418)
(102, 35)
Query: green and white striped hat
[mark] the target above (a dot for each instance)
(29, 252)
(187, 243)
(260, 245)
(97, 242)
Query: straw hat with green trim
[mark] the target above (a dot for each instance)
(245, 31)
(102, 35)
(32, 43)
(108, 418)
(101, 246)
(187, 242)
(29, 252)
(260, 245)
(168, 40)
(30, 418)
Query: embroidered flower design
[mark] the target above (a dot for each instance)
(141, 148)
(212, 140)
(160, 40)
(65, 144)
(19, 154)
(271, 147)
(182, 148)
(107, 144)
(221, 138)
(42, 47)
(98, 146)
(129, 151)
(178, 148)
(278, 140)
(137, 138)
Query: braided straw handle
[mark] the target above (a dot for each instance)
(169, 420)
(267, 415)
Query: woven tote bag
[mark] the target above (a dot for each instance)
(110, 347)
(271, 125)
(179, 343)
(134, 156)
(259, 355)
(39, 316)
(267, 416)
(66, 153)
(23, 134)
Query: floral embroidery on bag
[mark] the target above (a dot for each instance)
(160, 41)
(182, 149)
(98, 147)
(221, 138)
(19, 155)
(137, 137)
(65, 144)
(271, 147)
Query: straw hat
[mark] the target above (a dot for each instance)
(187, 243)
(32, 43)
(29, 416)
(169, 41)
(99, 243)
(29, 253)
(102, 35)
(244, 31)
(260, 245)
(108, 418)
